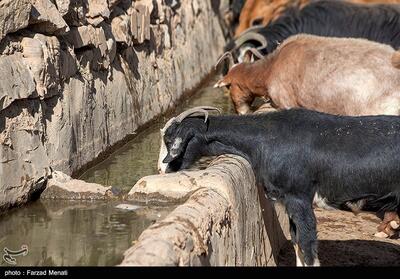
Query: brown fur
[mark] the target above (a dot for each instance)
(396, 59)
(334, 75)
(269, 10)
(263, 10)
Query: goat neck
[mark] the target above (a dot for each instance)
(235, 135)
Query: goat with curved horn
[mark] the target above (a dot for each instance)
(201, 110)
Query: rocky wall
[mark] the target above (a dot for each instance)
(78, 76)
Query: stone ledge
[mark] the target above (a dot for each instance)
(225, 221)
(62, 186)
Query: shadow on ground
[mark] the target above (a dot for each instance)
(348, 253)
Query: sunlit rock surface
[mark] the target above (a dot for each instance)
(224, 220)
(75, 84)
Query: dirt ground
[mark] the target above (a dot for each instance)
(346, 239)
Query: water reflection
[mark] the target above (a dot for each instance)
(70, 233)
(74, 233)
(139, 157)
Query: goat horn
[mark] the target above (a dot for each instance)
(201, 110)
(255, 52)
(224, 56)
(169, 123)
(249, 36)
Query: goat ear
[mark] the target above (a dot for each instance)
(221, 83)
(257, 21)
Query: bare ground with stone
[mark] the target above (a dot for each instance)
(346, 239)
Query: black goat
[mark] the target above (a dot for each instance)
(298, 155)
(378, 22)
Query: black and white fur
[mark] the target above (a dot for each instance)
(299, 155)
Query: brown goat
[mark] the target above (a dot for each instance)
(255, 12)
(263, 12)
(334, 75)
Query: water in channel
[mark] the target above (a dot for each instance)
(76, 233)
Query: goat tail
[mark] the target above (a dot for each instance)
(396, 59)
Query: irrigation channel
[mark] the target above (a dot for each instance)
(65, 233)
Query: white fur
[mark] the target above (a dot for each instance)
(356, 207)
(299, 258)
(321, 202)
(220, 84)
(175, 146)
(162, 167)
(394, 225)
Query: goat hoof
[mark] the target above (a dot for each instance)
(381, 235)
(394, 225)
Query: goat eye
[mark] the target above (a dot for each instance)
(257, 21)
